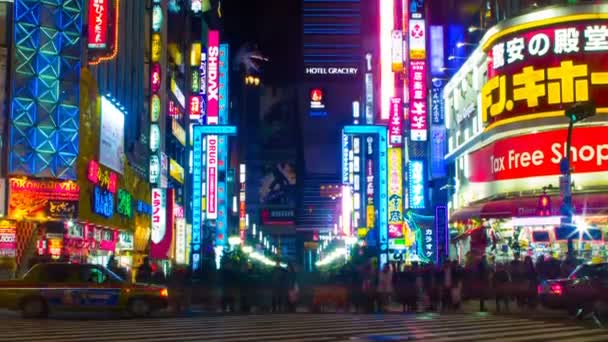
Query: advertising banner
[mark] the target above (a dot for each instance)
(8, 239)
(539, 154)
(369, 98)
(112, 136)
(395, 123)
(395, 193)
(213, 86)
(35, 198)
(536, 73)
(418, 101)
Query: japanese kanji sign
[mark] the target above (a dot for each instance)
(416, 183)
(395, 123)
(418, 100)
(537, 73)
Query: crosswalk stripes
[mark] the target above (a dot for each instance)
(301, 327)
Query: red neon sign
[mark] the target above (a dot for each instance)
(194, 103)
(104, 178)
(535, 155)
(155, 78)
(98, 24)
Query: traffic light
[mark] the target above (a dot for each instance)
(580, 111)
(544, 205)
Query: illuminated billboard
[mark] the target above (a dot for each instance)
(213, 87)
(395, 193)
(395, 122)
(536, 73)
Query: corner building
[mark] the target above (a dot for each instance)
(505, 114)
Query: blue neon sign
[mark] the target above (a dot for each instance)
(416, 184)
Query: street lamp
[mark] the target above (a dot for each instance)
(576, 113)
(462, 44)
(475, 28)
(451, 58)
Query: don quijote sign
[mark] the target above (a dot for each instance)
(536, 73)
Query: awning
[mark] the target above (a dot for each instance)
(584, 204)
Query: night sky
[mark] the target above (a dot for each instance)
(274, 25)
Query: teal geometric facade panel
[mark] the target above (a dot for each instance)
(45, 115)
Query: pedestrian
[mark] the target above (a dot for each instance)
(293, 288)
(531, 276)
(448, 282)
(482, 278)
(279, 287)
(116, 269)
(458, 280)
(144, 272)
(385, 287)
(501, 285)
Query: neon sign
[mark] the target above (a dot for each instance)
(155, 78)
(125, 203)
(106, 179)
(98, 24)
(103, 202)
(416, 183)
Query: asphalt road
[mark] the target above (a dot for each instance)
(300, 327)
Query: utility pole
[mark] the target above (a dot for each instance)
(576, 113)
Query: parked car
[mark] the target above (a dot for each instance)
(78, 287)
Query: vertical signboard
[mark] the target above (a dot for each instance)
(180, 241)
(437, 52)
(223, 100)
(213, 88)
(397, 51)
(98, 24)
(417, 72)
(395, 123)
(441, 229)
(438, 151)
(418, 100)
(395, 193)
(416, 184)
(159, 238)
(222, 215)
(369, 183)
(202, 72)
(197, 204)
(369, 98)
(345, 158)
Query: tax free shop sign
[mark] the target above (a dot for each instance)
(535, 155)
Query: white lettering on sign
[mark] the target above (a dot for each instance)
(563, 40)
(212, 142)
(331, 71)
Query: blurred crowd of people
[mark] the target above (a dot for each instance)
(444, 287)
